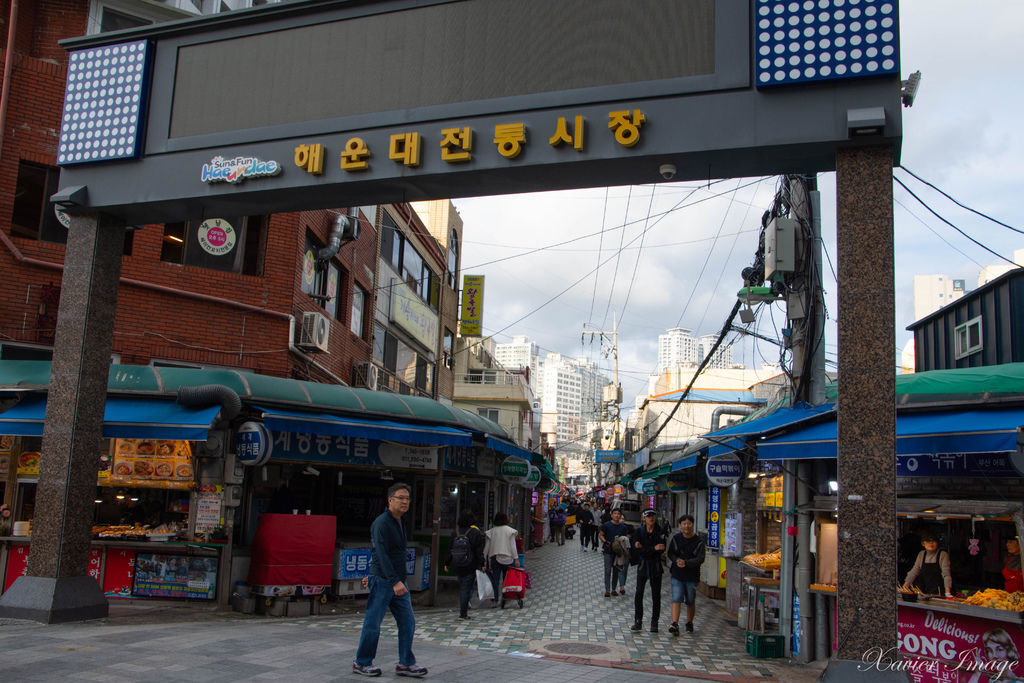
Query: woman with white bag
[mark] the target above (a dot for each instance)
(501, 553)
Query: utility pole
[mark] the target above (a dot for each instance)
(615, 399)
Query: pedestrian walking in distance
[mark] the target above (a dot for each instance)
(685, 555)
(649, 544)
(588, 531)
(465, 556)
(388, 590)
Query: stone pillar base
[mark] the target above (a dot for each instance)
(853, 671)
(53, 601)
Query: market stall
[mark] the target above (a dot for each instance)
(157, 533)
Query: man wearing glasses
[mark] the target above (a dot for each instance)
(388, 590)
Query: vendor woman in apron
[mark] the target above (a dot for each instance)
(1011, 570)
(931, 569)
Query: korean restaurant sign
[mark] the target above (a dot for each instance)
(401, 100)
(410, 313)
(472, 318)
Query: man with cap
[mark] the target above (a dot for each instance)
(649, 542)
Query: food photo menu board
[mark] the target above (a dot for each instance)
(151, 464)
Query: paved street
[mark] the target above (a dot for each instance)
(566, 631)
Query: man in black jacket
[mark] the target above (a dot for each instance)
(649, 543)
(588, 530)
(465, 568)
(685, 555)
(389, 590)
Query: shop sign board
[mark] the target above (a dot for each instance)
(714, 515)
(647, 487)
(608, 455)
(939, 646)
(174, 576)
(724, 470)
(533, 478)
(345, 450)
(515, 470)
(468, 460)
(253, 445)
(353, 563)
(472, 318)
(994, 465)
(410, 313)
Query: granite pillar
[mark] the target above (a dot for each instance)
(57, 586)
(867, 402)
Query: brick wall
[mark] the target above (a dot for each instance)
(165, 311)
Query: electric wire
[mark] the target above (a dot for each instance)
(962, 206)
(937, 215)
(600, 248)
(618, 256)
(636, 264)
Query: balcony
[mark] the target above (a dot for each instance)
(492, 385)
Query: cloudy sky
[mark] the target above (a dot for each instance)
(666, 255)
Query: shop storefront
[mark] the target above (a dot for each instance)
(158, 528)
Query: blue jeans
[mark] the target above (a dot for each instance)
(467, 584)
(612, 574)
(382, 597)
(684, 591)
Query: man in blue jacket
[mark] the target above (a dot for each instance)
(389, 590)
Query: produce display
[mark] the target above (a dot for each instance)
(997, 599)
(128, 532)
(766, 561)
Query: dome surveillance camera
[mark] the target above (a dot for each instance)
(667, 171)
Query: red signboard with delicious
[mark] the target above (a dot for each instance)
(941, 647)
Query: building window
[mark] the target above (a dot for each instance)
(453, 259)
(358, 307)
(112, 20)
(234, 244)
(967, 338)
(490, 413)
(34, 217)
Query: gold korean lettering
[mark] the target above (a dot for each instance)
(355, 155)
(627, 130)
(405, 148)
(562, 134)
(456, 144)
(310, 158)
(510, 138)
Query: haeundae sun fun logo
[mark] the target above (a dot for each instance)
(216, 236)
(221, 170)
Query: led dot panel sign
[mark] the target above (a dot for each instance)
(104, 103)
(816, 40)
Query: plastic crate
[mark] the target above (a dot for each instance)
(765, 645)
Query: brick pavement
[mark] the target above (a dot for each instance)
(566, 631)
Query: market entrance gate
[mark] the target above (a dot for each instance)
(351, 102)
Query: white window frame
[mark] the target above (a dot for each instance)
(962, 335)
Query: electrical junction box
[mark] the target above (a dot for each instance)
(779, 246)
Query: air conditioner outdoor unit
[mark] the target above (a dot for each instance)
(316, 329)
(368, 374)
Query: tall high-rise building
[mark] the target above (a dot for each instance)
(722, 360)
(677, 346)
(571, 396)
(932, 292)
(517, 354)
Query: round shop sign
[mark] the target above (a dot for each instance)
(533, 478)
(639, 485)
(514, 470)
(618, 489)
(216, 236)
(724, 470)
(253, 444)
(650, 487)
(63, 217)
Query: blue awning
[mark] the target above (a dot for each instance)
(280, 420)
(684, 463)
(509, 448)
(966, 431)
(123, 418)
(735, 437)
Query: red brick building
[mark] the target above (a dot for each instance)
(181, 301)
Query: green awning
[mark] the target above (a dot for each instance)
(145, 380)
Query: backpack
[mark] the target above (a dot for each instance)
(462, 553)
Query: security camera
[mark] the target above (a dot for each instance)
(909, 89)
(667, 171)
